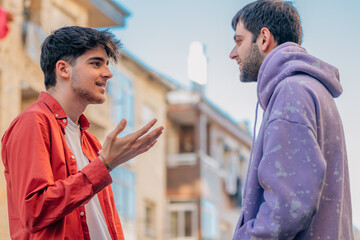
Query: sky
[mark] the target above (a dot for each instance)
(159, 32)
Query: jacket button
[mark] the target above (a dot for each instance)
(72, 157)
(56, 115)
(82, 214)
(64, 120)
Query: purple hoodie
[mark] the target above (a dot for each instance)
(298, 180)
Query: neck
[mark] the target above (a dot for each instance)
(71, 106)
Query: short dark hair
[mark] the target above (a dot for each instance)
(68, 43)
(280, 17)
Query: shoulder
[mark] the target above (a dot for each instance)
(30, 126)
(297, 85)
(295, 100)
(36, 113)
(35, 116)
(297, 90)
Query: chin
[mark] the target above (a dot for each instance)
(95, 100)
(245, 78)
(248, 80)
(99, 101)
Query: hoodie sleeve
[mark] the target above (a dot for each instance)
(291, 174)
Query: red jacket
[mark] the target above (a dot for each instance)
(46, 193)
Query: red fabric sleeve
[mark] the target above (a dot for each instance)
(39, 199)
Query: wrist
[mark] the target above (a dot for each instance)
(106, 164)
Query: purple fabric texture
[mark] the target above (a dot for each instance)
(297, 185)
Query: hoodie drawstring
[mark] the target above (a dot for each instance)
(254, 132)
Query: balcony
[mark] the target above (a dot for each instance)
(181, 159)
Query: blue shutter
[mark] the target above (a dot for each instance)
(120, 89)
(209, 220)
(124, 192)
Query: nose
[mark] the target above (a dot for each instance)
(233, 54)
(107, 73)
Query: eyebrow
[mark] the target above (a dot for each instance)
(235, 36)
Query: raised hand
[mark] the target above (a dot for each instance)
(117, 151)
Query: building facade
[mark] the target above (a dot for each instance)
(208, 155)
(139, 95)
(356, 233)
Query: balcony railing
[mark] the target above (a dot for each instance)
(181, 159)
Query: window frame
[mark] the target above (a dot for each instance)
(181, 208)
(150, 220)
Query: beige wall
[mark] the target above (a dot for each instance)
(150, 168)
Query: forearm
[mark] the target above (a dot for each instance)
(43, 206)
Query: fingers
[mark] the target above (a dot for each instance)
(156, 133)
(144, 129)
(148, 147)
(150, 137)
(118, 129)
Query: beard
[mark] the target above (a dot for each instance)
(251, 64)
(83, 94)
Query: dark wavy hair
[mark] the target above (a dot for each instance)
(68, 43)
(280, 17)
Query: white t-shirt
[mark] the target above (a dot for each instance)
(94, 215)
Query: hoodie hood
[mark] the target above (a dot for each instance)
(290, 59)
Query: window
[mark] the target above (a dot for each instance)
(33, 34)
(124, 192)
(150, 219)
(209, 220)
(182, 221)
(188, 223)
(120, 90)
(187, 144)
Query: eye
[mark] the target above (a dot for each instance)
(238, 42)
(97, 64)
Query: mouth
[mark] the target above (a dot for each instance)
(101, 84)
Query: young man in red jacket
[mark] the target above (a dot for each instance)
(57, 173)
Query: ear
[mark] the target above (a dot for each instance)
(266, 40)
(63, 69)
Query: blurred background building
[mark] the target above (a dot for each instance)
(356, 234)
(207, 160)
(187, 187)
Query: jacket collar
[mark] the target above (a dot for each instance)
(56, 109)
